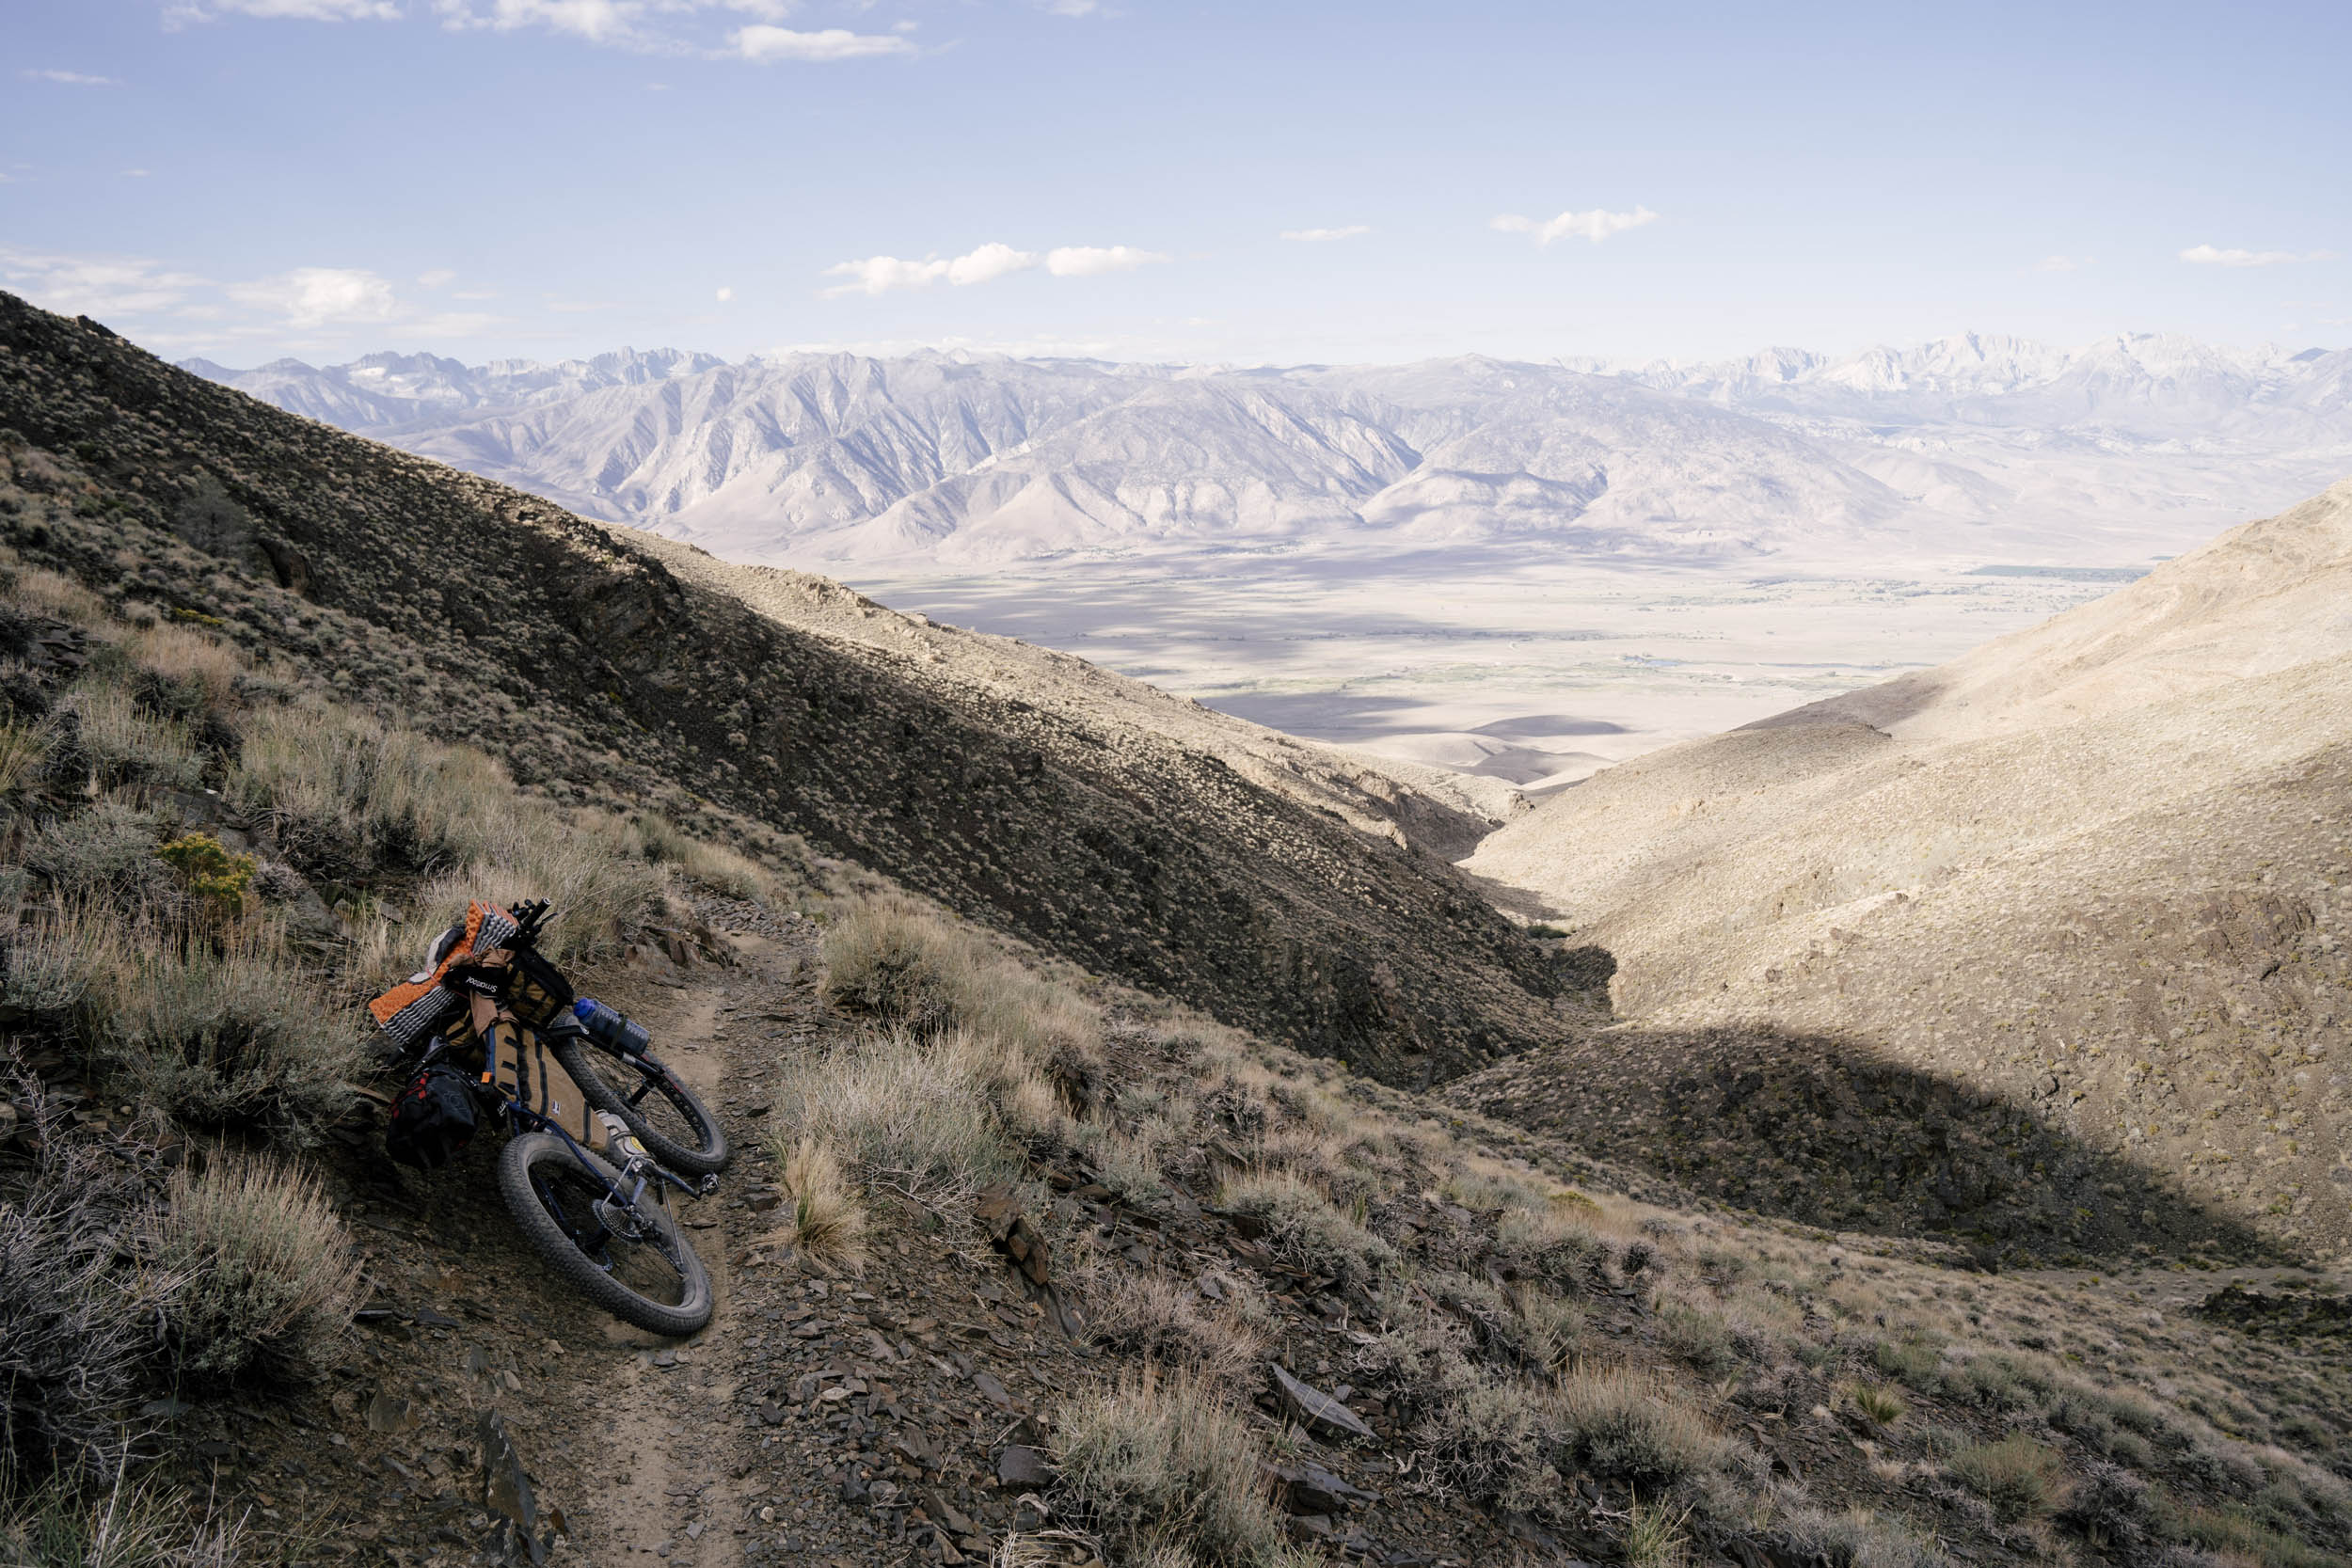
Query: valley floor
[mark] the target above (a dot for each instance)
(1536, 673)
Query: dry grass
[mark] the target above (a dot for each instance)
(896, 962)
(263, 1277)
(105, 852)
(716, 867)
(825, 1220)
(1166, 1464)
(1307, 1230)
(121, 743)
(1164, 1318)
(1488, 1437)
(920, 1118)
(229, 1033)
(1633, 1427)
(2019, 1477)
(50, 968)
(1861, 1539)
(180, 654)
(75, 1329)
(23, 753)
(124, 1524)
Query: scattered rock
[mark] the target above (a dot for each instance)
(1020, 1466)
(1316, 1409)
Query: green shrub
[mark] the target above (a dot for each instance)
(230, 1037)
(1152, 1466)
(1881, 1405)
(2019, 1477)
(1308, 1231)
(261, 1277)
(209, 872)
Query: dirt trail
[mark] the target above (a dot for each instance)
(663, 1442)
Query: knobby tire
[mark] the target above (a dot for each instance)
(706, 1154)
(559, 1164)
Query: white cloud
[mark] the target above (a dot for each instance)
(988, 263)
(1319, 235)
(95, 285)
(70, 78)
(1069, 8)
(725, 294)
(763, 44)
(1087, 261)
(437, 277)
(1595, 226)
(296, 11)
(136, 173)
(314, 296)
(596, 20)
(2062, 263)
(880, 275)
(2205, 255)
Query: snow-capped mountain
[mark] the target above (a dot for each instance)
(972, 459)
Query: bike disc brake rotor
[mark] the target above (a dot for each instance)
(633, 1251)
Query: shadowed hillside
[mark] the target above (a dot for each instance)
(2099, 869)
(626, 669)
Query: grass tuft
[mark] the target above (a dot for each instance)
(1166, 1464)
(826, 1220)
(1625, 1426)
(2019, 1477)
(230, 1034)
(264, 1280)
(1307, 1230)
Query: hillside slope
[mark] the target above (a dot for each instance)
(1215, 869)
(2099, 869)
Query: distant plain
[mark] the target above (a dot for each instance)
(1530, 672)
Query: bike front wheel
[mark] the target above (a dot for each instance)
(676, 1127)
(632, 1260)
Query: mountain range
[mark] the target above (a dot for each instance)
(2115, 451)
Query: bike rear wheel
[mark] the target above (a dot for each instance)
(676, 1127)
(633, 1262)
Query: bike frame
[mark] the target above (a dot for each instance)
(638, 1171)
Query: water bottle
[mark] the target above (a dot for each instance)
(610, 1029)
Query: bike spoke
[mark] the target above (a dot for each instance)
(647, 1263)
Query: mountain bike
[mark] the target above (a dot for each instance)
(607, 1231)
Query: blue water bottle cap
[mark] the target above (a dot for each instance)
(584, 1009)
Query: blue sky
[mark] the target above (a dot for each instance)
(245, 178)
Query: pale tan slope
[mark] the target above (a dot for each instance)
(1431, 808)
(2100, 864)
